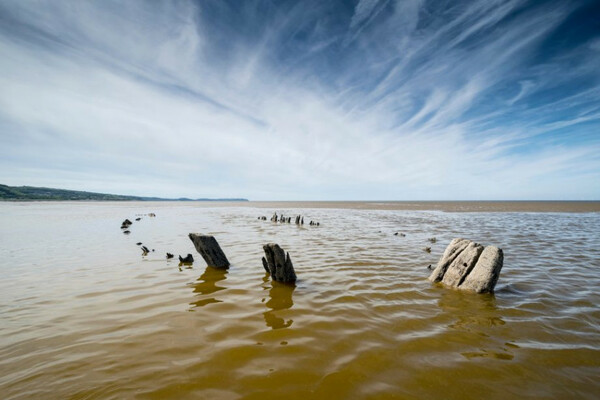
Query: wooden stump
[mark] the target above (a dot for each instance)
(469, 266)
(278, 263)
(210, 250)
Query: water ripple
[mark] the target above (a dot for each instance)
(85, 315)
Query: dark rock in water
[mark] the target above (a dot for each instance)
(126, 223)
(469, 266)
(432, 240)
(187, 259)
(127, 232)
(429, 266)
(278, 263)
(169, 255)
(403, 235)
(427, 249)
(145, 250)
(396, 234)
(137, 219)
(152, 215)
(139, 243)
(152, 249)
(210, 250)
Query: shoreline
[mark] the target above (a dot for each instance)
(533, 206)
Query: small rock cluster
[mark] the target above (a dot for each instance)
(125, 226)
(145, 250)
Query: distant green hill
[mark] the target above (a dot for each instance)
(40, 193)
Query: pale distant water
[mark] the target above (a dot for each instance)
(85, 316)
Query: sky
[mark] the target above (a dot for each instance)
(303, 100)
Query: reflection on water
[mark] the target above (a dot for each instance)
(476, 317)
(186, 265)
(470, 310)
(280, 298)
(207, 284)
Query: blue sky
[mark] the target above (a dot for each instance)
(303, 100)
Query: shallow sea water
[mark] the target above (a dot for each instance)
(84, 315)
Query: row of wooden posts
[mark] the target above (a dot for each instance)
(276, 261)
(298, 220)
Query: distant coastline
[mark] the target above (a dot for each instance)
(32, 193)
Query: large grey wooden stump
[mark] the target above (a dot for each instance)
(277, 263)
(469, 266)
(210, 250)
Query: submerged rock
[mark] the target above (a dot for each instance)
(169, 255)
(469, 266)
(210, 250)
(278, 263)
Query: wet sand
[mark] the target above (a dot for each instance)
(447, 206)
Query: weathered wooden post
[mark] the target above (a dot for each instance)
(469, 266)
(278, 264)
(210, 250)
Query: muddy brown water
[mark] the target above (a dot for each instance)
(85, 316)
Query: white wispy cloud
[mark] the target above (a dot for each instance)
(390, 100)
